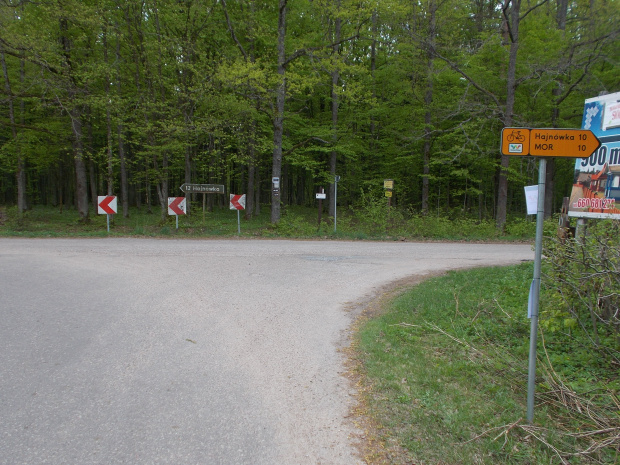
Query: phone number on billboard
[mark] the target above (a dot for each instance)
(603, 204)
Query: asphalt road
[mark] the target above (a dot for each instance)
(146, 351)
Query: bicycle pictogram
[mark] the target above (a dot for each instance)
(515, 135)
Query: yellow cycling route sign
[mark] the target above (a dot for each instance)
(575, 143)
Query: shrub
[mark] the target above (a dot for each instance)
(375, 217)
(583, 291)
(292, 225)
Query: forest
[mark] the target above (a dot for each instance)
(136, 97)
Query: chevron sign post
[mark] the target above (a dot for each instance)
(176, 207)
(237, 202)
(106, 205)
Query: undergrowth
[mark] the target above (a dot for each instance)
(446, 371)
(371, 219)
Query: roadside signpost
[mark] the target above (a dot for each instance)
(576, 143)
(203, 189)
(106, 205)
(388, 185)
(237, 202)
(571, 143)
(320, 196)
(176, 207)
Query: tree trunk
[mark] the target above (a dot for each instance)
(278, 122)
(108, 119)
(562, 12)
(75, 114)
(119, 133)
(550, 172)
(22, 201)
(92, 180)
(257, 192)
(511, 25)
(21, 173)
(428, 100)
(373, 67)
(162, 185)
(80, 167)
(123, 168)
(249, 198)
(110, 170)
(335, 103)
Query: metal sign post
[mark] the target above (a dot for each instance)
(177, 206)
(321, 196)
(388, 185)
(237, 202)
(576, 143)
(106, 205)
(535, 290)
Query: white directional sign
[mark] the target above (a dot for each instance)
(202, 188)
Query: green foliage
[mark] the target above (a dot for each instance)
(582, 297)
(296, 225)
(189, 90)
(374, 216)
(446, 367)
(437, 227)
(371, 221)
(521, 227)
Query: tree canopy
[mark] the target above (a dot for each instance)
(136, 97)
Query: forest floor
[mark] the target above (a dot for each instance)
(371, 222)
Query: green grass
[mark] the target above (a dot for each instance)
(363, 223)
(445, 371)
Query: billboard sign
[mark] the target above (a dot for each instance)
(596, 185)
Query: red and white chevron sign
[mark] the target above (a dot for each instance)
(237, 202)
(106, 204)
(176, 205)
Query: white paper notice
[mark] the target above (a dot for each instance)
(531, 198)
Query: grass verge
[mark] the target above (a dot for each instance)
(443, 372)
(296, 222)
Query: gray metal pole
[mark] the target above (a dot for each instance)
(540, 217)
(238, 224)
(580, 229)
